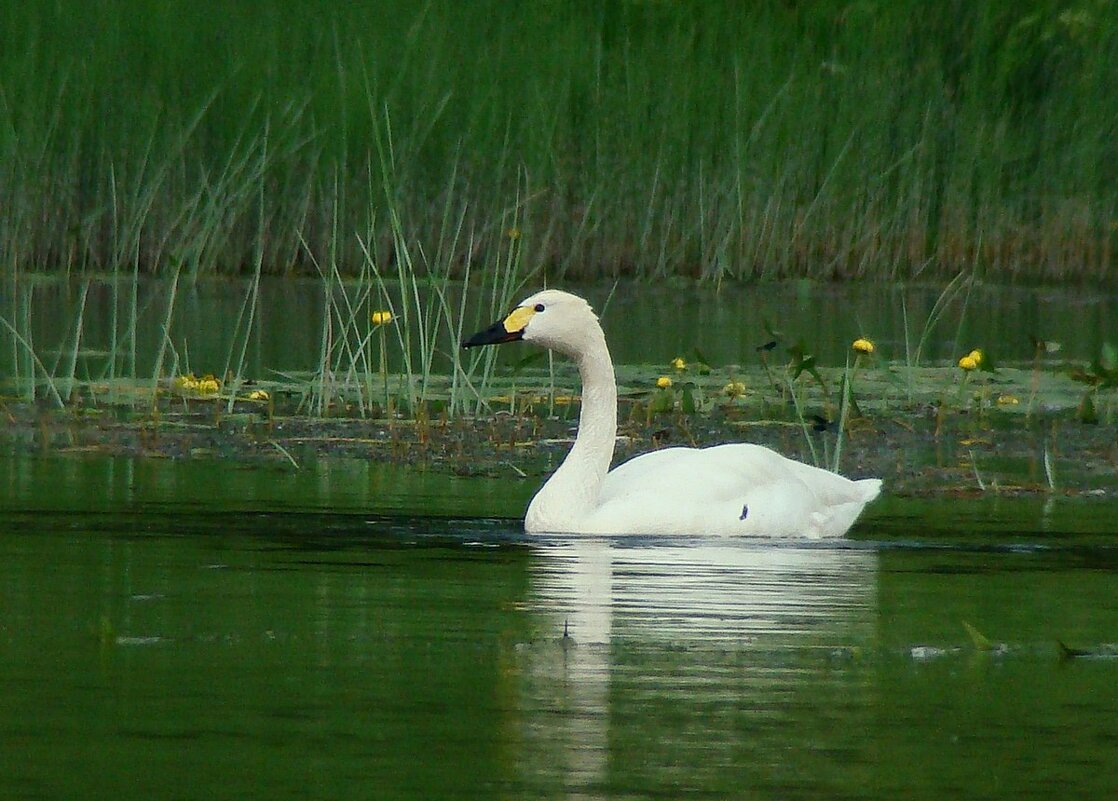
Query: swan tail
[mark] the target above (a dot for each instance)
(838, 518)
(836, 521)
(868, 489)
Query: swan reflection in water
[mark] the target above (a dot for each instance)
(690, 646)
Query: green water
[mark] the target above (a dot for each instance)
(203, 631)
(644, 324)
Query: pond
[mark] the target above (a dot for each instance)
(206, 322)
(211, 630)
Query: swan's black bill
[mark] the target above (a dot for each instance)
(493, 335)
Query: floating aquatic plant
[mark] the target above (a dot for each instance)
(189, 384)
(734, 389)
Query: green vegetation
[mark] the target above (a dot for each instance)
(698, 139)
(387, 359)
(1102, 374)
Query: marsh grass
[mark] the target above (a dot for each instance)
(30, 367)
(846, 399)
(959, 286)
(71, 350)
(802, 420)
(165, 342)
(442, 384)
(391, 367)
(412, 374)
(714, 140)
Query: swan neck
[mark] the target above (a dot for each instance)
(574, 490)
(597, 427)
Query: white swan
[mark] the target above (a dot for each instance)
(737, 489)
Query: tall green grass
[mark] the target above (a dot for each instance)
(693, 138)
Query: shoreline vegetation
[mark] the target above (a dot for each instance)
(932, 431)
(391, 383)
(552, 141)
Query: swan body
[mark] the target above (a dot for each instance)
(735, 489)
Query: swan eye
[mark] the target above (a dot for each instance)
(539, 307)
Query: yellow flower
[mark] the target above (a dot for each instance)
(258, 395)
(678, 363)
(968, 363)
(381, 317)
(976, 354)
(734, 389)
(862, 345)
(208, 385)
(663, 382)
(1007, 400)
(513, 233)
(185, 383)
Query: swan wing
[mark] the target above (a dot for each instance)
(739, 488)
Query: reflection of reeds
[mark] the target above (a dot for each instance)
(708, 140)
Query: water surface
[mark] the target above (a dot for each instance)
(374, 633)
(644, 324)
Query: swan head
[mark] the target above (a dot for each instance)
(551, 318)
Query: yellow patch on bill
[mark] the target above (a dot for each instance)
(518, 319)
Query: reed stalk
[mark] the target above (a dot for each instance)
(711, 140)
